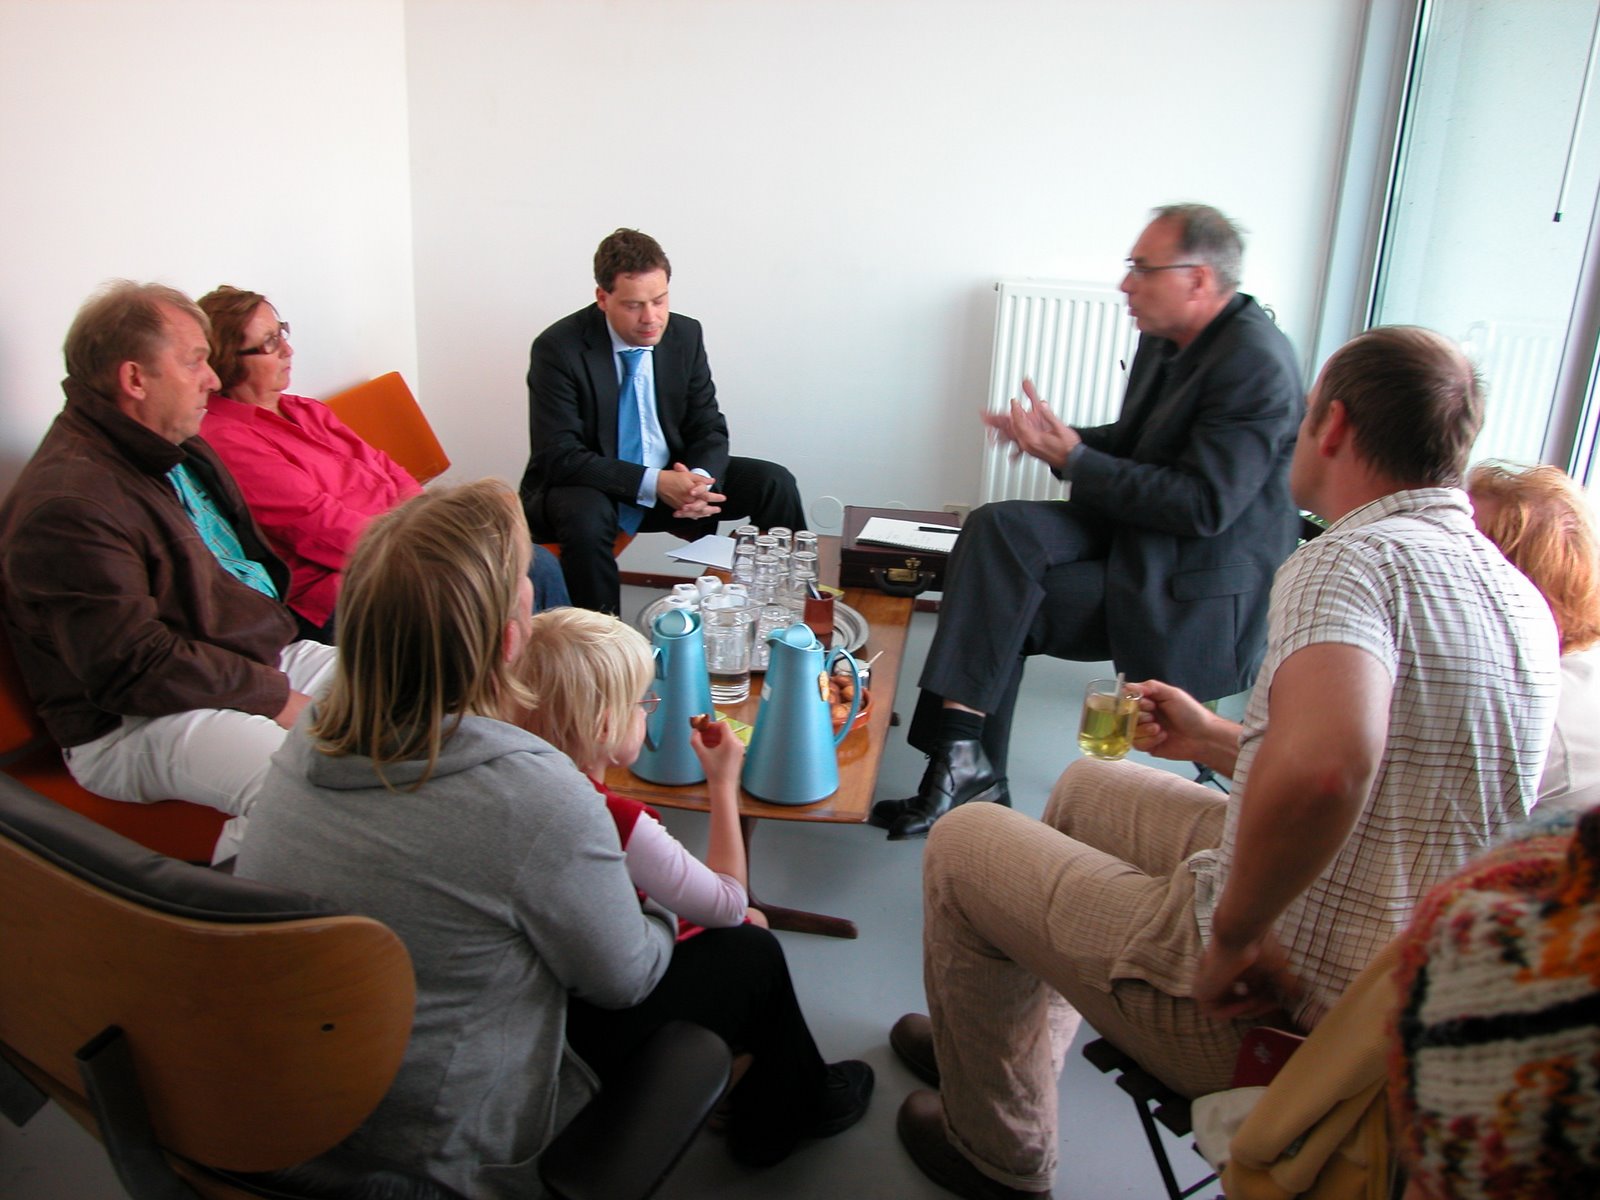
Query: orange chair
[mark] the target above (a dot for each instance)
(175, 828)
(385, 414)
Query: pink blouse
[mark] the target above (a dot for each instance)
(311, 484)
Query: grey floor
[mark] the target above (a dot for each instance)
(851, 992)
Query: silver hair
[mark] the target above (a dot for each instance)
(1207, 236)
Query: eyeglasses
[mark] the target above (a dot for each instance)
(1140, 270)
(272, 344)
(650, 703)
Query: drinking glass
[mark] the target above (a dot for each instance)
(744, 564)
(773, 617)
(1110, 713)
(764, 583)
(729, 623)
(802, 576)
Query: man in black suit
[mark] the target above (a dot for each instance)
(658, 462)
(1163, 557)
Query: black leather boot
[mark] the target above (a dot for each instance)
(957, 772)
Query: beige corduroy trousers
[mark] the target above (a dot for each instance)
(1031, 926)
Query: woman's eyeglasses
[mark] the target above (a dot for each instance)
(650, 703)
(272, 344)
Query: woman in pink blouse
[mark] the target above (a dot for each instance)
(311, 483)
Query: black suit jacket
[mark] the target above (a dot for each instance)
(572, 408)
(1194, 477)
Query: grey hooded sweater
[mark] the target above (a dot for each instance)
(503, 877)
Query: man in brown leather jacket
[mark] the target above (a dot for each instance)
(141, 601)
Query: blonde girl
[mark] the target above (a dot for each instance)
(589, 676)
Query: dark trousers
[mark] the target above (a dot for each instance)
(584, 522)
(1026, 577)
(735, 982)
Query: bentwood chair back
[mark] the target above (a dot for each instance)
(221, 1037)
(200, 1025)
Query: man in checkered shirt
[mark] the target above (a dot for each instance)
(1400, 720)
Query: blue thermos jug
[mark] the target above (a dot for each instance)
(685, 690)
(792, 758)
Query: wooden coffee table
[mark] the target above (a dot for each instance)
(860, 753)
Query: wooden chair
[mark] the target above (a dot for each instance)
(221, 1036)
(172, 827)
(385, 414)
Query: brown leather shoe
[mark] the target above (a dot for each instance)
(912, 1040)
(921, 1129)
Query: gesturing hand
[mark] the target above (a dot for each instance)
(1034, 430)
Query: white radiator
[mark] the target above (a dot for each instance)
(1074, 341)
(1519, 361)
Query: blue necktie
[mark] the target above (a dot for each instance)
(630, 436)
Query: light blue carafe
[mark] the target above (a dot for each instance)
(793, 755)
(685, 690)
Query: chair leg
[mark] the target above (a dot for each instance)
(19, 1098)
(106, 1065)
(1154, 1101)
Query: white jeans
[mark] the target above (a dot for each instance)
(212, 756)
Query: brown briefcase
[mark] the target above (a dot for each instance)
(898, 572)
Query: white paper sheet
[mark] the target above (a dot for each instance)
(907, 535)
(713, 550)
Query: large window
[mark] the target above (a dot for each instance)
(1493, 143)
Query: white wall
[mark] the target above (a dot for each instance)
(838, 185)
(262, 144)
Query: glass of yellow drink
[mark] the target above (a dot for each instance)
(1110, 712)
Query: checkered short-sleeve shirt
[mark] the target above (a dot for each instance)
(1471, 649)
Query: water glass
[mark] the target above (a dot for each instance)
(744, 564)
(803, 566)
(768, 576)
(782, 535)
(773, 617)
(729, 624)
(804, 539)
(745, 535)
(802, 576)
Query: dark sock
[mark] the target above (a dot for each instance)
(956, 725)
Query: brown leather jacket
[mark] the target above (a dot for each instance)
(113, 603)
